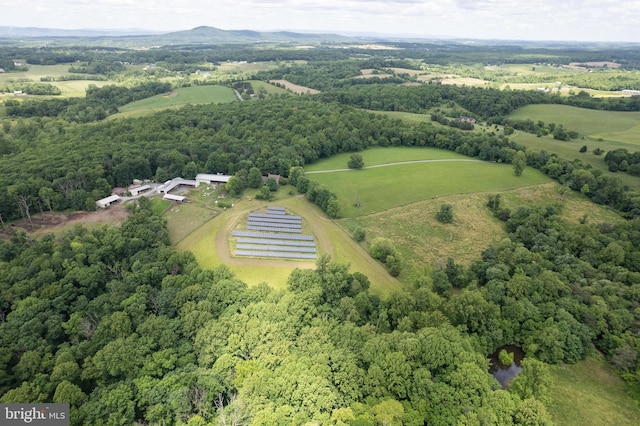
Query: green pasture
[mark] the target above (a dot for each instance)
(611, 126)
(180, 97)
(590, 392)
(381, 188)
(378, 155)
(269, 89)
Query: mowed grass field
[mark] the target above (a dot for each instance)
(591, 393)
(402, 176)
(180, 97)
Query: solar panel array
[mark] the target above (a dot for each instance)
(281, 237)
(271, 235)
(276, 248)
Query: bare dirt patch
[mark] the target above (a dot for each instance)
(602, 64)
(48, 223)
(295, 88)
(465, 81)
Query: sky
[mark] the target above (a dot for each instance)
(561, 20)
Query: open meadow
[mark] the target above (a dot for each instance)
(180, 97)
(408, 175)
(425, 242)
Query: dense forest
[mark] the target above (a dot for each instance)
(125, 328)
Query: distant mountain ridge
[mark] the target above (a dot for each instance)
(37, 32)
(198, 35)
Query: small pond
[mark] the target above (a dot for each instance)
(505, 373)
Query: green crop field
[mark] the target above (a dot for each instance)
(380, 188)
(71, 88)
(182, 96)
(590, 392)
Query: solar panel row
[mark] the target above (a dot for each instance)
(272, 236)
(277, 216)
(280, 209)
(260, 247)
(270, 220)
(273, 229)
(276, 242)
(276, 254)
(275, 225)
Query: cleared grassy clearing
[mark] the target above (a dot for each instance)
(590, 392)
(183, 96)
(270, 89)
(209, 240)
(382, 188)
(620, 127)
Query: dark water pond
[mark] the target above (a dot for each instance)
(505, 373)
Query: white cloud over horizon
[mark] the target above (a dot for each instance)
(571, 20)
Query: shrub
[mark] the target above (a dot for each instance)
(445, 214)
(359, 234)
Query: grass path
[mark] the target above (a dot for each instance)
(395, 164)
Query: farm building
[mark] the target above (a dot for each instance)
(174, 183)
(137, 190)
(464, 119)
(211, 178)
(276, 177)
(106, 202)
(173, 197)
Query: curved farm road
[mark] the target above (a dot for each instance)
(396, 164)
